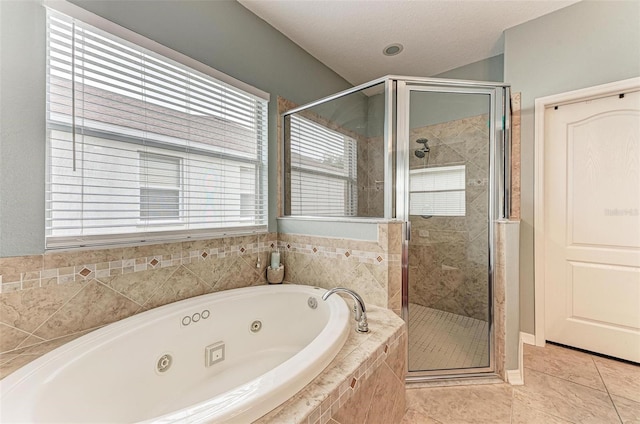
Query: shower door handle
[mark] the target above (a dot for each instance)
(408, 235)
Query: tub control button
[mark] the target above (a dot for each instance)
(195, 317)
(205, 314)
(186, 320)
(213, 354)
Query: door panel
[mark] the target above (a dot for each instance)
(589, 281)
(448, 198)
(592, 225)
(603, 166)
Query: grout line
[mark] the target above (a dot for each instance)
(546, 412)
(158, 288)
(116, 291)
(567, 380)
(28, 335)
(444, 339)
(83, 285)
(513, 401)
(607, 389)
(592, 354)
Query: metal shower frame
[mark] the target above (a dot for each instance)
(397, 91)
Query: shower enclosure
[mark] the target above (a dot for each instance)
(433, 154)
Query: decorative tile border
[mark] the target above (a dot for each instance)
(330, 252)
(86, 272)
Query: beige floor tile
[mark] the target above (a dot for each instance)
(522, 414)
(564, 399)
(562, 386)
(564, 363)
(413, 416)
(628, 410)
(463, 404)
(621, 378)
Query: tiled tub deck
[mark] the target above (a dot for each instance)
(363, 384)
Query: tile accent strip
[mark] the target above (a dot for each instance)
(375, 258)
(87, 272)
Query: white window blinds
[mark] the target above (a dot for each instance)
(324, 170)
(141, 147)
(438, 191)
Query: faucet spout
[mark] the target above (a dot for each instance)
(359, 307)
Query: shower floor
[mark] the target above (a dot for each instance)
(441, 340)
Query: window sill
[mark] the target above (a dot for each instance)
(63, 244)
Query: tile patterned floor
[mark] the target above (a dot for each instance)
(442, 340)
(561, 386)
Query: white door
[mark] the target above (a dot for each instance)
(592, 225)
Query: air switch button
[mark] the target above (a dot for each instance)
(213, 354)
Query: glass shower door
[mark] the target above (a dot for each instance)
(448, 213)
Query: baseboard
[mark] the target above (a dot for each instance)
(528, 338)
(514, 377)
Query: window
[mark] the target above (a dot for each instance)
(142, 147)
(437, 191)
(160, 183)
(323, 170)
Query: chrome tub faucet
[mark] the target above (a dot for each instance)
(358, 308)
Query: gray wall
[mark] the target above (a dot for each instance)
(430, 108)
(490, 69)
(586, 44)
(22, 127)
(222, 34)
(445, 107)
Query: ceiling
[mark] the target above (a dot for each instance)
(349, 35)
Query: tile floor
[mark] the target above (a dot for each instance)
(442, 340)
(561, 386)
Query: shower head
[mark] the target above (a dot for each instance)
(422, 141)
(420, 153)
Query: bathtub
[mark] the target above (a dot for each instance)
(227, 357)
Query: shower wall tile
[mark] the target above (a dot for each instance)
(371, 177)
(284, 105)
(448, 255)
(367, 267)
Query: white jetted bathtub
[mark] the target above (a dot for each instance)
(230, 357)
